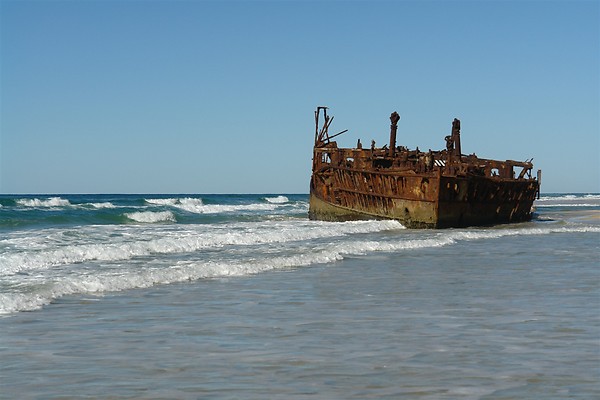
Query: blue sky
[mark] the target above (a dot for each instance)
(218, 97)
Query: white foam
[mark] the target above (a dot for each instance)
(569, 201)
(200, 208)
(545, 230)
(284, 244)
(151, 216)
(192, 205)
(102, 205)
(13, 302)
(277, 200)
(445, 238)
(569, 198)
(164, 202)
(54, 248)
(105, 282)
(197, 206)
(100, 281)
(117, 243)
(569, 205)
(50, 202)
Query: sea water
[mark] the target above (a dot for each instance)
(242, 297)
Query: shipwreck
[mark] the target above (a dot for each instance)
(433, 189)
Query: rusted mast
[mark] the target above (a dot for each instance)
(453, 150)
(395, 117)
(456, 138)
(319, 135)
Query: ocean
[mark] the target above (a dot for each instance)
(243, 297)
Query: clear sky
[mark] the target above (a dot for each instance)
(218, 97)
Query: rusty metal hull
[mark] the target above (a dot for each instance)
(437, 189)
(439, 202)
(354, 194)
(470, 201)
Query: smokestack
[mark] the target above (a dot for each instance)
(395, 117)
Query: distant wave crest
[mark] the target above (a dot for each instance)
(50, 202)
(569, 197)
(165, 202)
(102, 205)
(277, 199)
(197, 206)
(569, 205)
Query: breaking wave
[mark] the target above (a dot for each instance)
(213, 251)
(166, 202)
(36, 257)
(197, 206)
(101, 205)
(277, 200)
(151, 216)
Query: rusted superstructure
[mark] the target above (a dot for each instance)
(433, 189)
